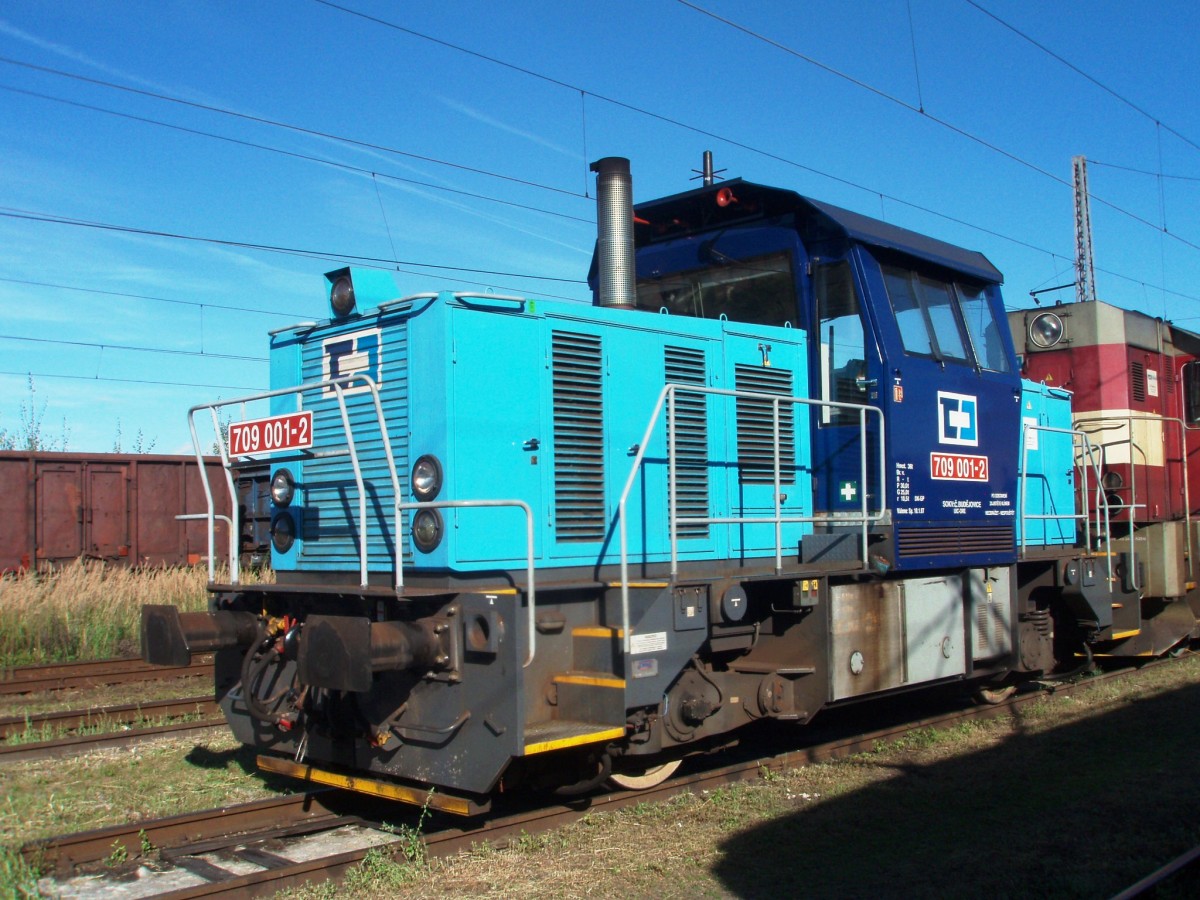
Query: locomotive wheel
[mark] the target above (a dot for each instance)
(645, 777)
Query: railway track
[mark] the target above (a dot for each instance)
(69, 732)
(95, 673)
(107, 726)
(215, 849)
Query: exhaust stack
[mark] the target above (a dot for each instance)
(614, 239)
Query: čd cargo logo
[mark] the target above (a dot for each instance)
(355, 353)
(958, 422)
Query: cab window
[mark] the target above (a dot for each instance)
(760, 290)
(990, 352)
(925, 312)
(1191, 394)
(843, 366)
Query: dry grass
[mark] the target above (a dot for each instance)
(88, 610)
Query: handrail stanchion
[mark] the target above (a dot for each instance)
(672, 499)
(777, 482)
(358, 481)
(862, 467)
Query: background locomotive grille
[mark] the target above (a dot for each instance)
(952, 541)
(578, 437)
(755, 426)
(329, 527)
(1137, 377)
(686, 366)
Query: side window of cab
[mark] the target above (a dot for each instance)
(843, 366)
(1191, 394)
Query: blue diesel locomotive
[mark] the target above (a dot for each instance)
(786, 461)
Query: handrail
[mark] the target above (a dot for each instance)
(531, 589)
(1089, 450)
(337, 385)
(666, 398)
(1126, 422)
(228, 520)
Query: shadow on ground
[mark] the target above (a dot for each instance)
(1083, 810)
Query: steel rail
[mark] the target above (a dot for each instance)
(95, 673)
(85, 743)
(1186, 864)
(123, 714)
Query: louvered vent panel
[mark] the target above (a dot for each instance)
(578, 437)
(686, 366)
(755, 426)
(954, 541)
(992, 635)
(1137, 378)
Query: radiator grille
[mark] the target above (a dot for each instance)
(953, 541)
(755, 426)
(578, 437)
(1137, 378)
(686, 366)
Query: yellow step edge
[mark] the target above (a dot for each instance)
(608, 734)
(1121, 635)
(416, 796)
(598, 631)
(594, 680)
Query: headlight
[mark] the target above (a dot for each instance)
(426, 478)
(1045, 330)
(283, 487)
(341, 296)
(1113, 480)
(283, 532)
(427, 529)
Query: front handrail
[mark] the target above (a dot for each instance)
(666, 398)
(530, 589)
(338, 386)
(1125, 422)
(1088, 450)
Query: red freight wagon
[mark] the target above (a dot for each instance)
(120, 507)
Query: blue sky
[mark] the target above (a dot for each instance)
(470, 128)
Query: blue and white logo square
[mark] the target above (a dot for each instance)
(958, 419)
(354, 353)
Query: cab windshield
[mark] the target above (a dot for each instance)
(760, 290)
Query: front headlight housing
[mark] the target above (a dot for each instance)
(283, 488)
(341, 296)
(426, 478)
(1045, 330)
(427, 529)
(283, 532)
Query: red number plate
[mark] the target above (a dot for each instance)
(270, 435)
(958, 467)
